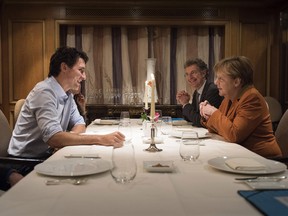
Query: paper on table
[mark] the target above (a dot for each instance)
(244, 164)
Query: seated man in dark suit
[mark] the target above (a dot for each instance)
(196, 73)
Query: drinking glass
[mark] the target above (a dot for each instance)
(126, 130)
(189, 146)
(124, 164)
(166, 125)
(125, 116)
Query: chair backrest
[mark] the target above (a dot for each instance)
(5, 134)
(275, 108)
(17, 108)
(281, 134)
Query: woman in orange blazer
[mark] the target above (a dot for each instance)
(243, 116)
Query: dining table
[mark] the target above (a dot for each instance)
(203, 187)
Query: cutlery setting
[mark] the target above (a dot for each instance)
(89, 156)
(78, 181)
(262, 178)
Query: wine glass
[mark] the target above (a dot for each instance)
(189, 146)
(124, 164)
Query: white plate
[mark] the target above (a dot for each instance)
(201, 135)
(267, 185)
(105, 122)
(73, 167)
(158, 166)
(270, 166)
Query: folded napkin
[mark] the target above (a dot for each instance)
(157, 140)
(105, 121)
(178, 133)
(244, 164)
(179, 122)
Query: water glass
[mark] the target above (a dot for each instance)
(189, 146)
(125, 116)
(126, 130)
(124, 164)
(166, 125)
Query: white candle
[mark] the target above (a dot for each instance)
(150, 67)
(152, 109)
(146, 95)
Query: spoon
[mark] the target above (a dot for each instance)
(71, 181)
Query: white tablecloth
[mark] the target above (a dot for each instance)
(192, 189)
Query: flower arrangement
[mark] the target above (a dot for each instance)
(145, 115)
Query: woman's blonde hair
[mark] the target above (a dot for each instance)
(236, 67)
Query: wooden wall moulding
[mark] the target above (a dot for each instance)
(153, 3)
(202, 13)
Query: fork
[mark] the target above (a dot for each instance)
(78, 181)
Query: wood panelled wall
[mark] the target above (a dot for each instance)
(284, 57)
(30, 34)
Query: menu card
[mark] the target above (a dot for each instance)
(269, 202)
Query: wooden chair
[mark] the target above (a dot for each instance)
(17, 108)
(281, 135)
(275, 110)
(5, 134)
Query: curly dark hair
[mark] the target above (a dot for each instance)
(68, 55)
(199, 62)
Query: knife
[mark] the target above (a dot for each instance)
(262, 178)
(91, 156)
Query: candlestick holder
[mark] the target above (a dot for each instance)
(153, 147)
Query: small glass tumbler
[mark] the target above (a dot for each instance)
(166, 126)
(124, 164)
(124, 117)
(126, 130)
(189, 146)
